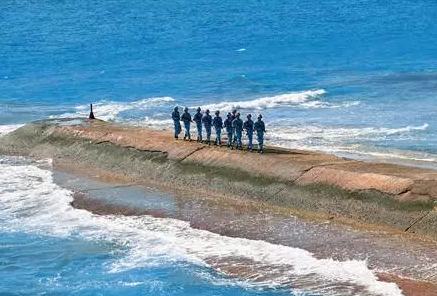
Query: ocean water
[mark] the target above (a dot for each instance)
(49, 247)
(355, 78)
(350, 78)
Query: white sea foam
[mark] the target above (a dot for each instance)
(327, 133)
(143, 112)
(352, 141)
(6, 129)
(31, 202)
(288, 99)
(110, 110)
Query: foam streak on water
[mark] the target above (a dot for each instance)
(6, 129)
(31, 202)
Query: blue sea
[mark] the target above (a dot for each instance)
(354, 78)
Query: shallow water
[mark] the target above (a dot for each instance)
(351, 78)
(198, 247)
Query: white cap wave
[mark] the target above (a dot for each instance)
(32, 202)
(288, 99)
(352, 141)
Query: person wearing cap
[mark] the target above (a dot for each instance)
(229, 130)
(237, 125)
(198, 120)
(218, 125)
(233, 116)
(260, 129)
(186, 119)
(248, 127)
(176, 120)
(207, 123)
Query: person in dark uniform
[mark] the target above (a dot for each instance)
(260, 129)
(176, 120)
(229, 130)
(248, 127)
(198, 120)
(233, 116)
(186, 119)
(207, 123)
(237, 125)
(218, 125)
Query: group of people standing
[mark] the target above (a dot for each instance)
(233, 125)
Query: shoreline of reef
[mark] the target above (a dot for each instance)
(314, 184)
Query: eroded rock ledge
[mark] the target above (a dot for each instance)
(378, 193)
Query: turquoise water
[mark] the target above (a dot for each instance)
(357, 79)
(371, 67)
(40, 265)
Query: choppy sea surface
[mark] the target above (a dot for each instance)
(356, 78)
(351, 78)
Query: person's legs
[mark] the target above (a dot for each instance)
(229, 138)
(239, 136)
(199, 132)
(177, 129)
(250, 137)
(260, 143)
(216, 136)
(187, 131)
(219, 136)
(208, 134)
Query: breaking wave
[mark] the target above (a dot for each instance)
(353, 142)
(32, 202)
(341, 133)
(289, 99)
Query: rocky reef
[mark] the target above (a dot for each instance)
(305, 182)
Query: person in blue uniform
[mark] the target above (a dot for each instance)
(218, 125)
(248, 127)
(186, 119)
(237, 125)
(207, 123)
(198, 120)
(233, 116)
(176, 120)
(260, 129)
(229, 130)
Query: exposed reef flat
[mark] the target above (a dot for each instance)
(410, 262)
(336, 188)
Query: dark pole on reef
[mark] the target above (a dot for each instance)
(91, 112)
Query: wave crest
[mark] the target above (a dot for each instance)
(288, 99)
